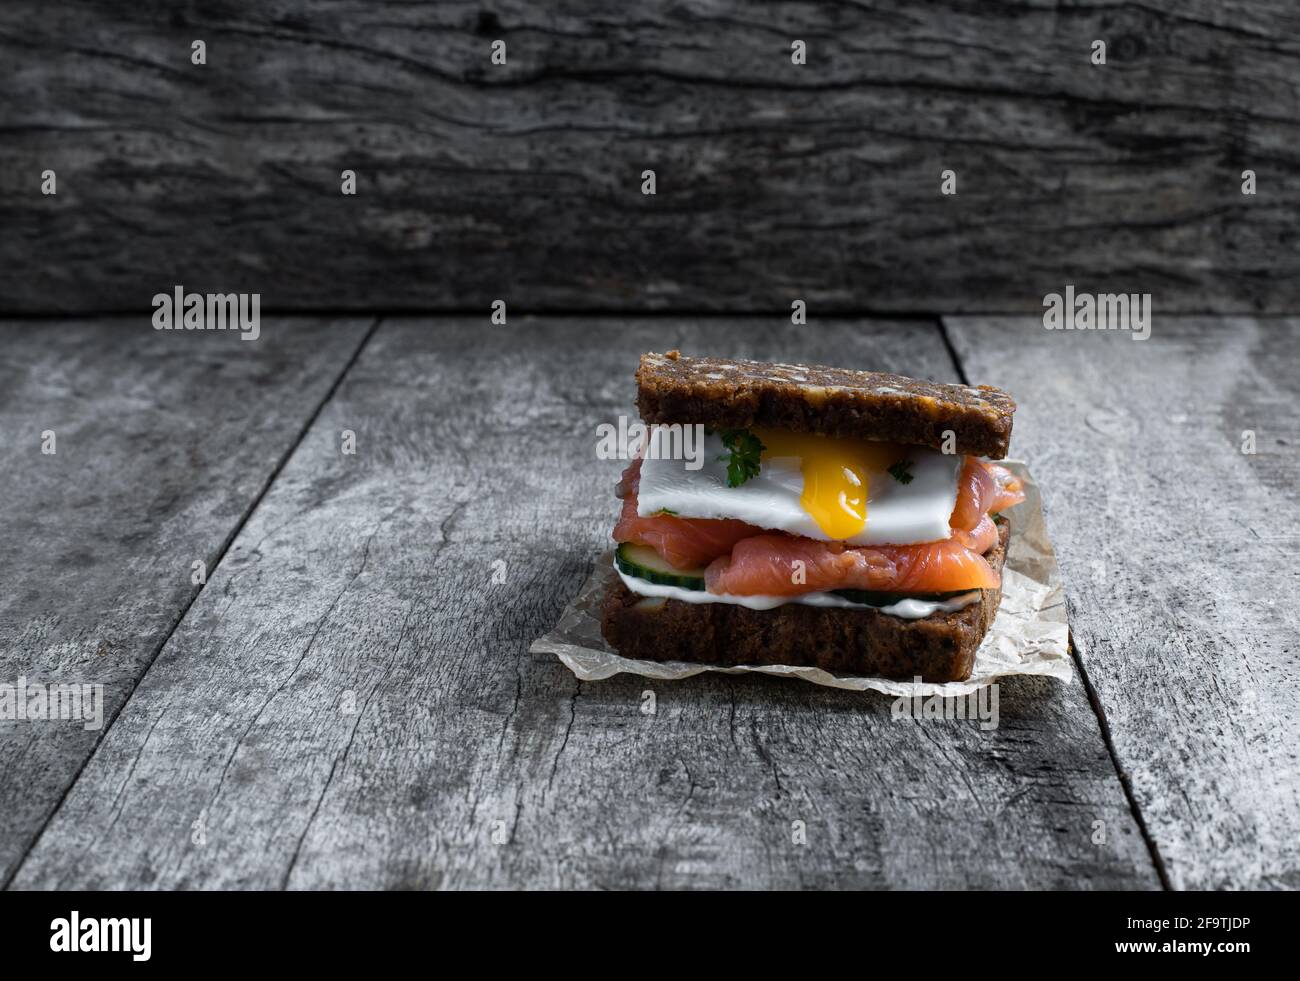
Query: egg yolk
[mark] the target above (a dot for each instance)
(836, 476)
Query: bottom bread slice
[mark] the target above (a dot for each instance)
(847, 641)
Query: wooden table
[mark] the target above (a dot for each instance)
(348, 701)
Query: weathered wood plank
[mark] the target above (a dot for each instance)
(365, 582)
(775, 181)
(162, 443)
(1178, 553)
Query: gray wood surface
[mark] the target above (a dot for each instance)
(1179, 554)
(163, 443)
(775, 181)
(365, 582)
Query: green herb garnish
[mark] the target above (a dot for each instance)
(900, 472)
(666, 511)
(742, 461)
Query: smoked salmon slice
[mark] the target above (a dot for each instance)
(1010, 490)
(981, 538)
(764, 565)
(983, 488)
(976, 487)
(686, 543)
(743, 559)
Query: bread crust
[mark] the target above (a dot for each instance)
(864, 641)
(673, 388)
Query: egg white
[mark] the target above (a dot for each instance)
(897, 513)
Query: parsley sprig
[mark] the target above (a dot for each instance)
(743, 459)
(900, 472)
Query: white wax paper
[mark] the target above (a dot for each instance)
(1028, 636)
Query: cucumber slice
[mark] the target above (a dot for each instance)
(869, 597)
(643, 562)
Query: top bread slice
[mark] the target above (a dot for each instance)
(673, 388)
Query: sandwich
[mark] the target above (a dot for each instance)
(803, 515)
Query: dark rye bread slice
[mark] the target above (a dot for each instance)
(672, 388)
(858, 641)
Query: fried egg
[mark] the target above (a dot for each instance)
(811, 485)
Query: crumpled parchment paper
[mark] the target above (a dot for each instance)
(1028, 636)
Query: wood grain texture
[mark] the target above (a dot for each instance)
(365, 582)
(1179, 554)
(775, 181)
(162, 444)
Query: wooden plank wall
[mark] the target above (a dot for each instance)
(775, 181)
